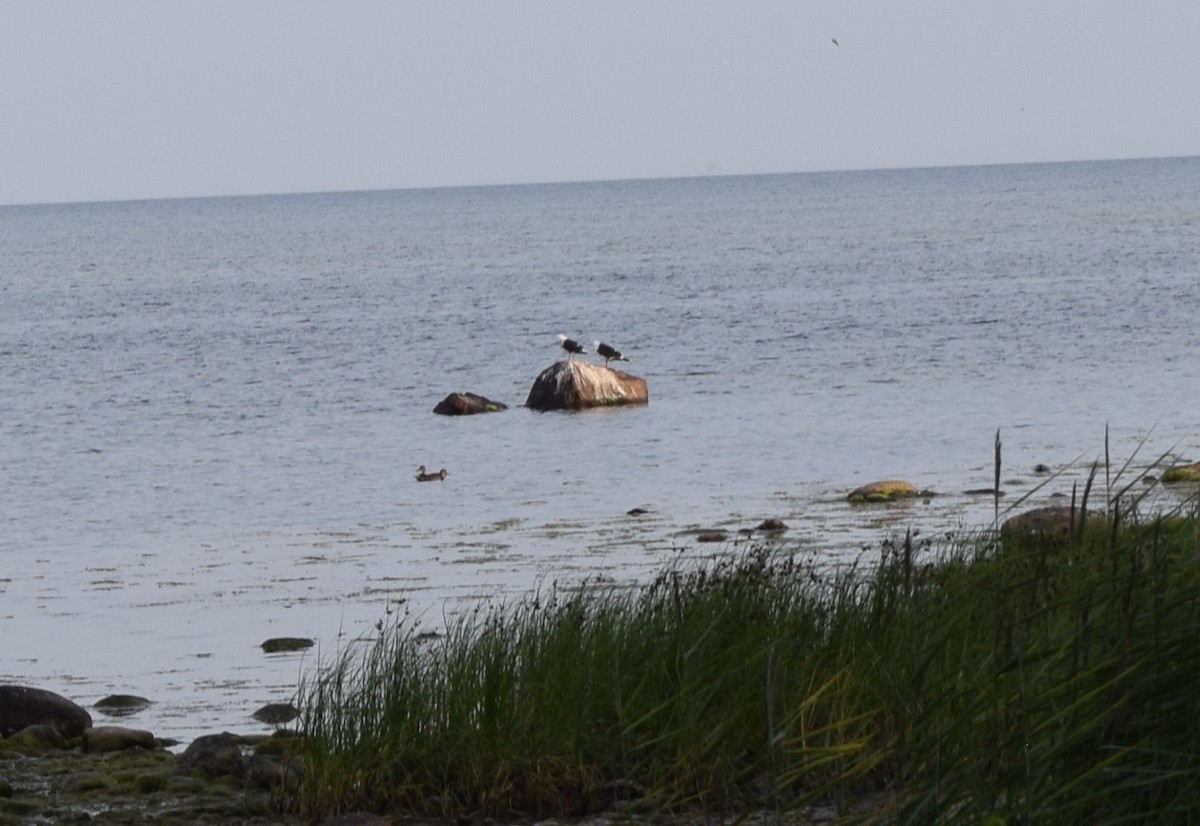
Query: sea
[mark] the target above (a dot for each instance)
(212, 410)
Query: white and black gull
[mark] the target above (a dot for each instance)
(572, 346)
(608, 353)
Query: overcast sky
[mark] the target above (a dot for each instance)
(118, 100)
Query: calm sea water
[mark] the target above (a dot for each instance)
(211, 410)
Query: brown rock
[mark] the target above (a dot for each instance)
(1051, 522)
(212, 756)
(117, 738)
(268, 773)
(21, 706)
(577, 385)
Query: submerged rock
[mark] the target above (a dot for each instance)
(466, 404)
(885, 491)
(121, 705)
(577, 385)
(22, 706)
(277, 644)
(276, 714)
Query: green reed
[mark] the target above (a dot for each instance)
(1015, 679)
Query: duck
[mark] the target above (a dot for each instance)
(422, 476)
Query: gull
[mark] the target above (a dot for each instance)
(570, 345)
(608, 353)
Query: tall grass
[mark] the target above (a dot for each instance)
(1021, 679)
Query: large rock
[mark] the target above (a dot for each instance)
(576, 385)
(466, 404)
(21, 706)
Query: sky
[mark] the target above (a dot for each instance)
(132, 99)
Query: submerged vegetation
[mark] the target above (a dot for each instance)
(1019, 678)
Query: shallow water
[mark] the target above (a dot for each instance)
(212, 409)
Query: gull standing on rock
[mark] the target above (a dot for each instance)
(608, 353)
(572, 346)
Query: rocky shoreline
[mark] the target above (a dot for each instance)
(44, 782)
(61, 769)
(136, 787)
(56, 767)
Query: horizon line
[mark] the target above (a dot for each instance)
(587, 181)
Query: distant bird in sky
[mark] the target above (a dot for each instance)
(836, 43)
(422, 476)
(608, 353)
(570, 345)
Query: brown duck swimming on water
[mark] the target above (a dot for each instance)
(422, 476)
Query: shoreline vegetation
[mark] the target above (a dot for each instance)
(1016, 676)
(1042, 669)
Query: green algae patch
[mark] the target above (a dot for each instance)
(93, 782)
(130, 786)
(150, 783)
(1184, 473)
(888, 490)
